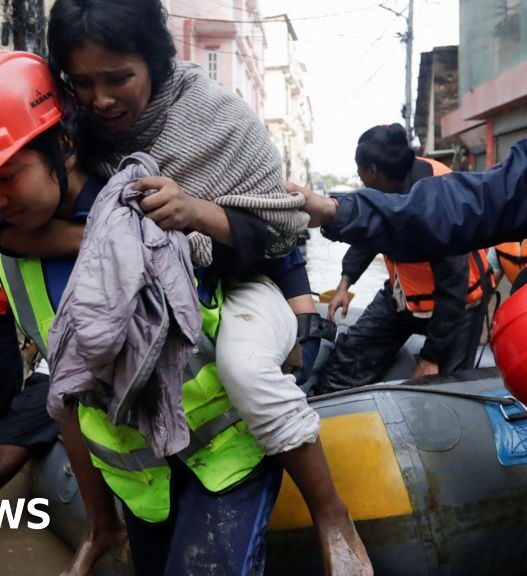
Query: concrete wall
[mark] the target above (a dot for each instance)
(288, 114)
(226, 40)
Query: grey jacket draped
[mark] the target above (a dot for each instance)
(128, 318)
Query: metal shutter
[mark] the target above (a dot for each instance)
(505, 141)
(480, 162)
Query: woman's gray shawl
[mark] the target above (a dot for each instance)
(212, 144)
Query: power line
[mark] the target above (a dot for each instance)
(321, 35)
(363, 84)
(219, 3)
(375, 41)
(210, 10)
(271, 18)
(407, 38)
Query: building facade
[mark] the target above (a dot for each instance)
(437, 95)
(227, 40)
(288, 114)
(492, 109)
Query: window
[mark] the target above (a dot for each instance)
(213, 65)
(494, 39)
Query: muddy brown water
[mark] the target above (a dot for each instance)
(26, 552)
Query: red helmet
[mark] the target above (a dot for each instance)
(509, 343)
(29, 102)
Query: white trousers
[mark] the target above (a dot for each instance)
(257, 332)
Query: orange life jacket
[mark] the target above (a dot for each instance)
(512, 257)
(423, 168)
(417, 281)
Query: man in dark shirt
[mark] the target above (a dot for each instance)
(442, 298)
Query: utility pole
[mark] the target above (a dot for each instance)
(408, 83)
(407, 38)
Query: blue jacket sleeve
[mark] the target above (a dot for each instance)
(451, 214)
(356, 261)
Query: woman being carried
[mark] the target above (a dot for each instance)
(41, 151)
(125, 84)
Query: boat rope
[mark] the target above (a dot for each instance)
(502, 400)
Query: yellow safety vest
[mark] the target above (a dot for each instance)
(221, 452)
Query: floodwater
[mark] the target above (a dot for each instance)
(26, 552)
(324, 267)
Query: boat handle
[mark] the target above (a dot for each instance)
(519, 413)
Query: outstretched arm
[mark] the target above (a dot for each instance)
(451, 214)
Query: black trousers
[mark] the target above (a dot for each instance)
(367, 349)
(10, 362)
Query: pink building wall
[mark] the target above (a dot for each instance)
(227, 40)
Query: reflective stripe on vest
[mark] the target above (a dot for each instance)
(128, 465)
(512, 257)
(25, 286)
(133, 461)
(417, 282)
(221, 451)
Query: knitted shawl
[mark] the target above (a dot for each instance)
(211, 143)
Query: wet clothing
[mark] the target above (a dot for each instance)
(252, 238)
(289, 274)
(426, 298)
(453, 214)
(226, 536)
(256, 334)
(451, 278)
(365, 351)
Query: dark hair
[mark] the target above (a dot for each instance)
(386, 146)
(125, 26)
(55, 145)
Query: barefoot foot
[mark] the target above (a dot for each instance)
(93, 547)
(343, 551)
